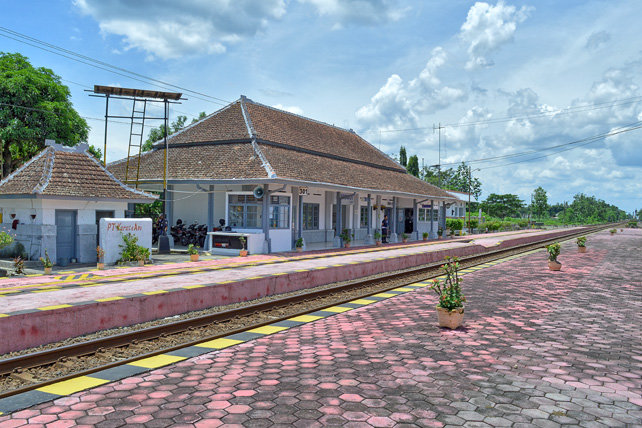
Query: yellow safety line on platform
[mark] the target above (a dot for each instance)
(71, 386)
(157, 361)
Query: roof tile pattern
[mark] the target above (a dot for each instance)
(72, 174)
(285, 128)
(225, 125)
(308, 150)
(294, 165)
(230, 161)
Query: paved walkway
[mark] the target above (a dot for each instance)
(539, 348)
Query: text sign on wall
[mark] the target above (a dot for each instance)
(113, 229)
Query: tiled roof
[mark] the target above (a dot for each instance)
(68, 172)
(247, 140)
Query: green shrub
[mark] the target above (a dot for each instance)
(454, 224)
(553, 251)
(5, 239)
(473, 223)
(581, 241)
(131, 251)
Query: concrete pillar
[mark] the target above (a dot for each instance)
(299, 234)
(432, 234)
(210, 214)
(442, 218)
(169, 212)
(415, 221)
(267, 244)
(337, 239)
(369, 238)
(392, 222)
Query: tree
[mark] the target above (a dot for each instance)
(403, 158)
(413, 165)
(35, 106)
(463, 181)
(540, 203)
(502, 206)
(158, 133)
(435, 177)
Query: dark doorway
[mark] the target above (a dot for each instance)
(99, 215)
(65, 236)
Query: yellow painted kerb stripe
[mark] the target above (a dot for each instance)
(67, 387)
(50, 308)
(219, 343)
(157, 361)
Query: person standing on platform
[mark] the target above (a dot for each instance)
(384, 229)
(161, 225)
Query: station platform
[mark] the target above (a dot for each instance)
(538, 348)
(44, 309)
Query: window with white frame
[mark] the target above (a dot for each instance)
(244, 211)
(279, 212)
(363, 217)
(310, 216)
(424, 214)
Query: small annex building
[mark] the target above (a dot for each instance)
(304, 170)
(55, 201)
(458, 208)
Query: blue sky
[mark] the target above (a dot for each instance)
(501, 77)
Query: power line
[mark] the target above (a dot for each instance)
(75, 56)
(585, 142)
(568, 110)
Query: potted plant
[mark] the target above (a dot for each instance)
(581, 244)
(440, 231)
(243, 252)
(100, 257)
(613, 231)
(553, 252)
(142, 254)
(425, 236)
(46, 263)
(377, 238)
(404, 238)
(347, 238)
(298, 244)
(193, 252)
(450, 308)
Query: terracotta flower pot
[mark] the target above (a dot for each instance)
(404, 240)
(48, 271)
(450, 319)
(141, 263)
(378, 243)
(346, 245)
(193, 257)
(554, 265)
(425, 238)
(299, 249)
(581, 249)
(243, 253)
(100, 266)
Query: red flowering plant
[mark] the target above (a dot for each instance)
(449, 290)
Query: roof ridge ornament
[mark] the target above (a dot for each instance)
(47, 170)
(250, 130)
(78, 148)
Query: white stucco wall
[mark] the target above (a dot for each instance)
(113, 229)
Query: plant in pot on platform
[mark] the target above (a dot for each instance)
(404, 238)
(243, 252)
(377, 238)
(100, 257)
(347, 238)
(46, 263)
(439, 233)
(298, 244)
(142, 255)
(581, 244)
(553, 252)
(193, 252)
(613, 231)
(450, 308)
(425, 236)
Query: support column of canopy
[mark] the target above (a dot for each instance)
(338, 242)
(265, 221)
(415, 220)
(299, 234)
(210, 214)
(442, 219)
(393, 221)
(432, 234)
(369, 238)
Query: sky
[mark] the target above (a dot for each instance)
(529, 93)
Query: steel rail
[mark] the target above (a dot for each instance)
(51, 356)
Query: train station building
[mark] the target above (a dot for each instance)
(282, 176)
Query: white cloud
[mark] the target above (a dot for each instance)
(291, 109)
(487, 28)
(361, 12)
(398, 104)
(170, 29)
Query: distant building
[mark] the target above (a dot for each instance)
(266, 171)
(458, 208)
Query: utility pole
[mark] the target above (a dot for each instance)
(470, 179)
(438, 129)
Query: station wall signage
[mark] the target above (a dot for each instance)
(113, 229)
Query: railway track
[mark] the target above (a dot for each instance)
(34, 370)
